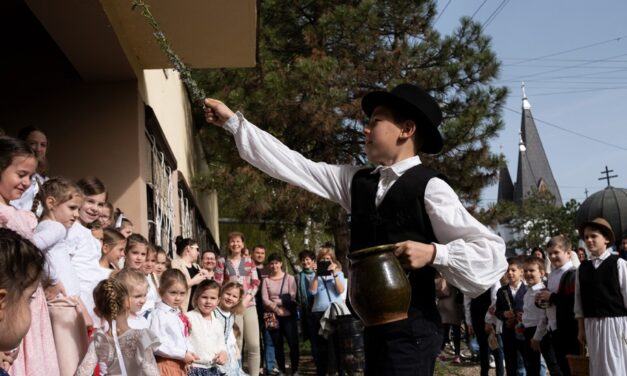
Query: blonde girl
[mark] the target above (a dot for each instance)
(208, 334)
(61, 200)
(120, 350)
(113, 245)
(135, 283)
(171, 326)
(17, 165)
(231, 304)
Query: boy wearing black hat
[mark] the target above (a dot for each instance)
(401, 202)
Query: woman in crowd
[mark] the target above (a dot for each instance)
(278, 292)
(327, 287)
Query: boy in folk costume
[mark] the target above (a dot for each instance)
(601, 301)
(414, 208)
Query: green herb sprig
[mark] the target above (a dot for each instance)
(196, 93)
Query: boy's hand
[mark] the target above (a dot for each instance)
(414, 255)
(216, 112)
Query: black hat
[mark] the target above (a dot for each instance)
(416, 103)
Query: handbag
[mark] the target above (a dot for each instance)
(270, 320)
(286, 300)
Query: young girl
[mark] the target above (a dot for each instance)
(18, 163)
(240, 268)
(172, 326)
(161, 265)
(147, 268)
(84, 249)
(121, 350)
(135, 252)
(106, 215)
(601, 301)
(21, 267)
(208, 334)
(137, 287)
(61, 200)
(229, 306)
(38, 142)
(113, 245)
(187, 249)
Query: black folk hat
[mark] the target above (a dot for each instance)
(418, 105)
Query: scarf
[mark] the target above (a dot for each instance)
(303, 287)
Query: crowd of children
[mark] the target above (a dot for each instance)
(81, 293)
(545, 312)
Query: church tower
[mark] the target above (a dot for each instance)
(534, 171)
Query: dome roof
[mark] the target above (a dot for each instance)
(611, 204)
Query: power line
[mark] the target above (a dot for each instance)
(480, 6)
(494, 14)
(570, 67)
(569, 131)
(617, 39)
(442, 12)
(580, 91)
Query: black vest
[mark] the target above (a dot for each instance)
(600, 290)
(400, 216)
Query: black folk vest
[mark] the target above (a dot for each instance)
(600, 290)
(400, 216)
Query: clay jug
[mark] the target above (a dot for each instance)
(379, 290)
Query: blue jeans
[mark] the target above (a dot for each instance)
(268, 351)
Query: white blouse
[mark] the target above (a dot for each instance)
(84, 251)
(207, 338)
(468, 254)
(51, 236)
(166, 324)
(152, 297)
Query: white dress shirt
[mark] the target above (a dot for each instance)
(166, 324)
(468, 255)
(207, 338)
(533, 315)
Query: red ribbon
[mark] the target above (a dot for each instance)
(187, 326)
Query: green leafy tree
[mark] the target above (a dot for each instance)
(316, 60)
(536, 220)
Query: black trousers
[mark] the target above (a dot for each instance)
(287, 328)
(565, 342)
(532, 358)
(511, 348)
(402, 348)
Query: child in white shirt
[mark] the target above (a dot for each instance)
(171, 326)
(137, 287)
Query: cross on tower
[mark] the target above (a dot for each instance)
(607, 176)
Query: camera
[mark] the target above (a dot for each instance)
(323, 268)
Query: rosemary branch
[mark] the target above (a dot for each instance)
(196, 93)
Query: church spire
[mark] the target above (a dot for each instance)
(534, 171)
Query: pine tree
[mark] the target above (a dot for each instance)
(316, 60)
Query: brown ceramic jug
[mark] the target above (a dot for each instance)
(379, 290)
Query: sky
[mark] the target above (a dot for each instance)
(572, 56)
